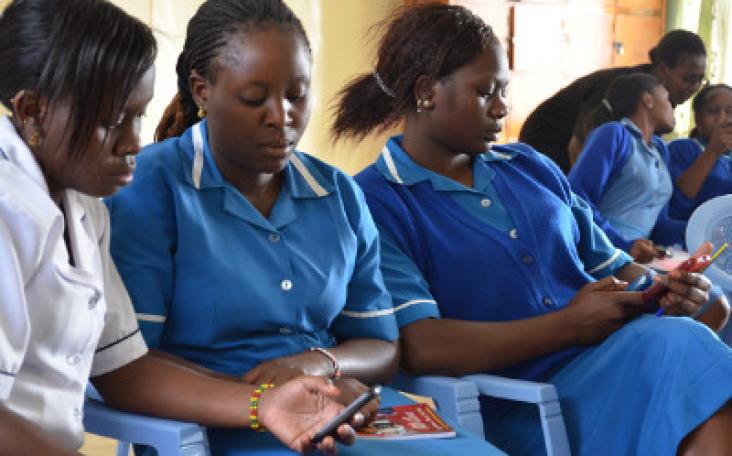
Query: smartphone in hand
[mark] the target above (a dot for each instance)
(347, 413)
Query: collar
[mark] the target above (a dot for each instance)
(638, 135)
(14, 149)
(398, 167)
(202, 172)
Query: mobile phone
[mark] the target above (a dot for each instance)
(347, 413)
(663, 251)
(693, 264)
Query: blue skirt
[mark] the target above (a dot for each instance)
(640, 392)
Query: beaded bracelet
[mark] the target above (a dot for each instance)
(254, 407)
(332, 358)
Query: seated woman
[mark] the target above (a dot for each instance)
(242, 255)
(623, 174)
(701, 166)
(492, 261)
(77, 75)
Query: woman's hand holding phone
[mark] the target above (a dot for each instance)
(684, 290)
(295, 411)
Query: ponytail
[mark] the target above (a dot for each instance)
(431, 40)
(364, 107)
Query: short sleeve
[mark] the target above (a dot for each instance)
(142, 243)
(409, 290)
(600, 257)
(121, 341)
(368, 312)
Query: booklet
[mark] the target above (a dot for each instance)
(413, 421)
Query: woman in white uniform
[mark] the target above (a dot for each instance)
(77, 75)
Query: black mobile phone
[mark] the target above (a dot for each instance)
(347, 413)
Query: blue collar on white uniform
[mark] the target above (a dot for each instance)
(302, 181)
(398, 167)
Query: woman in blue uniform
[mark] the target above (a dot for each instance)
(494, 265)
(701, 166)
(625, 176)
(242, 255)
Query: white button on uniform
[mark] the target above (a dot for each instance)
(285, 330)
(547, 302)
(513, 233)
(274, 237)
(286, 285)
(73, 359)
(485, 202)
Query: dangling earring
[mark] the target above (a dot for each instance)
(201, 112)
(35, 139)
(425, 105)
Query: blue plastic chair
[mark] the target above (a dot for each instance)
(457, 399)
(168, 437)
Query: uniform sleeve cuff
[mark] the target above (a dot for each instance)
(415, 310)
(119, 353)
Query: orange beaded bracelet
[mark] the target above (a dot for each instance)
(254, 407)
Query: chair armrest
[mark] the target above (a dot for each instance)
(456, 399)
(169, 437)
(544, 395)
(512, 389)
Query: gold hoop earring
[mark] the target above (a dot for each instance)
(201, 112)
(35, 139)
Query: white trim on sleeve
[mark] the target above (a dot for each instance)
(606, 263)
(383, 312)
(151, 318)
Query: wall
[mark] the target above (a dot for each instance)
(338, 32)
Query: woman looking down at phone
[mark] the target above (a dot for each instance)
(494, 265)
(242, 255)
(77, 76)
(701, 165)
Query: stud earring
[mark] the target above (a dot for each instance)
(35, 139)
(201, 112)
(425, 105)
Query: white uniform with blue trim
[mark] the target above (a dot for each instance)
(59, 322)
